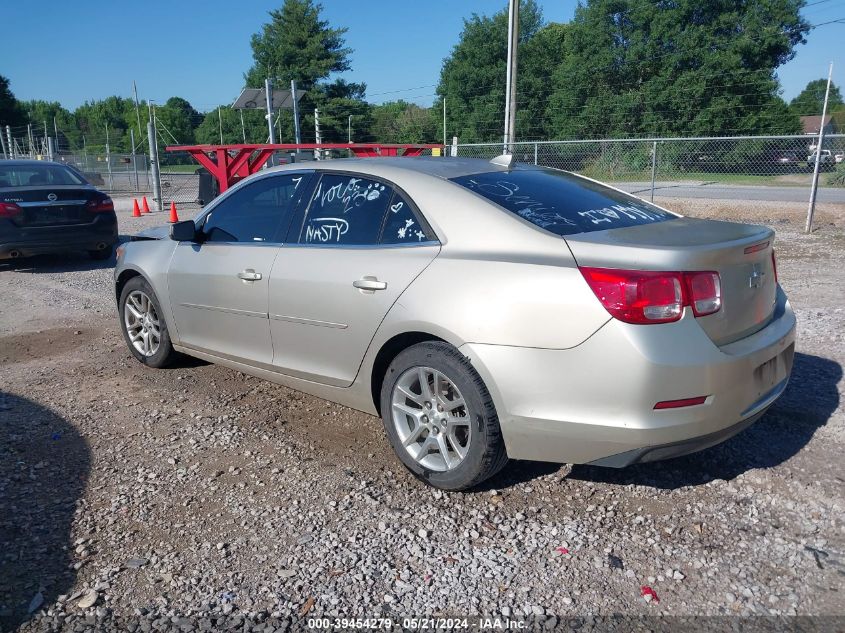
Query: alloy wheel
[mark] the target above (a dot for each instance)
(431, 418)
(142, 323)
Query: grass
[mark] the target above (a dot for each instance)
(180, 169)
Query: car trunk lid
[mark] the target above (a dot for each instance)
(51, 205)
(740, 253)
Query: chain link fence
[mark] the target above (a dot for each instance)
(656, 166)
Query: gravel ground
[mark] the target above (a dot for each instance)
(196, 498)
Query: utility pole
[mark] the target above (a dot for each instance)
(134, 159)
(814, 187)
(296, 130)
(510, 87)
(243, 127)
(151, 136)
(3, 143)
(268, 90)
(137, 109)
(220, 123)
(31, 141)
(108, 158)
(349, 130)
(56, 133)
(444, 125)
(9, 141)
(317, 133)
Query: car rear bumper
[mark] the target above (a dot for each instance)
(25, 242)
(594, 403)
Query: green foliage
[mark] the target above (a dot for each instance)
(637, 67)
(473, 76)
(811, 100)
(298, 44)
(837, 178)
(11, 112)
(403, 122)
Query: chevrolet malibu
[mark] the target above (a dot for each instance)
(485, 310)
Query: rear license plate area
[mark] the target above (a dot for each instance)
(765, 375)
(774, 370)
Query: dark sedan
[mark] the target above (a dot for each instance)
(46, 207)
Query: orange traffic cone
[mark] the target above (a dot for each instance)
(144, 206)
(136, 211)
(173, 215)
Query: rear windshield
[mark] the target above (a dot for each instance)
(561, 202)
(37, 175)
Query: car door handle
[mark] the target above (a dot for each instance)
(249, 275)
(369, 283)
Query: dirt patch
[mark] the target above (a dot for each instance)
(29, 346)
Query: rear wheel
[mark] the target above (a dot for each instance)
(144, 329)
(440, 417)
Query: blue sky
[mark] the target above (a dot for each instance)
(76, 51)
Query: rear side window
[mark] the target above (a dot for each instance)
(402, 226)
(346, 210)
(562, 203)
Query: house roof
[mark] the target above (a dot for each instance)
(812, 124)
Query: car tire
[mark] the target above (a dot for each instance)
(139, 294)
(476, 431)
(101, 254)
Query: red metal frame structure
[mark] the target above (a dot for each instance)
(230, 163)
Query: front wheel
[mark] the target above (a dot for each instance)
(144, 329)
(440, 417)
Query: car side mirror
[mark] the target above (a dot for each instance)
(185, 231)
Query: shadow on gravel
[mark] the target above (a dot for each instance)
(809, 401)
(44, 466)
(59, 263)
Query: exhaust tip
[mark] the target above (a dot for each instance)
(14, 254)
(101, 246)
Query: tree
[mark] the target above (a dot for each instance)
(11, 112)
(40, 112)
(634, 67)
(811, 100)
(298, 44)
(111, 117)
(403, 122)
(472, 78)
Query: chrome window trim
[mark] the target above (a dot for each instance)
(362, 247)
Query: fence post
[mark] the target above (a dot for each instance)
(108, 160)
(815, 184)
(653, 166)
(9, 141)
(535, 153)
(151, 136)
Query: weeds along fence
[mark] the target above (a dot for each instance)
(657, 163)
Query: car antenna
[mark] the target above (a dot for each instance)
(504, 160)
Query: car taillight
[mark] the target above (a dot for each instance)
(9, 209)
(704, 291)
(637, 296)
(643, 296)
(100, 205)
(774, 265)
